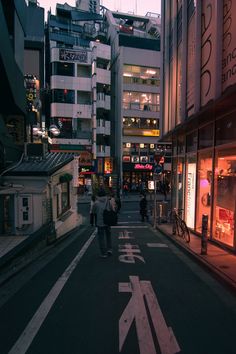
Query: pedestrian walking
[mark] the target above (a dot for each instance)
(103, 231)
(143, 208)
(93, 216)
(118, 202)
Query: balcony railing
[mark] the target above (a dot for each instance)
(142, 106)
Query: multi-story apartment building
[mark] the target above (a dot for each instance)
(79, 79)
(34, 70)
(199, 92)
(136, 60)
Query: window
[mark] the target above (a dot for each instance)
(65, 126)
(191, 141)
(63, 69)
(83, 71)
(133, 74)
(225, 196)
(205, 136)
(63, 199)
(141, 101)
(63, 96)
(226, 129)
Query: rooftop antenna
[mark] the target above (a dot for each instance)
(136, 5)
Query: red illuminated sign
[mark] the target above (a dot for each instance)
(139, 166)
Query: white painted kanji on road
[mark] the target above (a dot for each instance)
(136, 310)
(125, 235)
(130, 253)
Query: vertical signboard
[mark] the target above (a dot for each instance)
(190, 194)
(190, 65)
(107, 165)
(229, 44)
(99, 165)
(76, 171)
(208, 50)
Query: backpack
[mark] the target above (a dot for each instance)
(109, 216)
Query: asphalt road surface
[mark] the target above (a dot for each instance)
(147, 298)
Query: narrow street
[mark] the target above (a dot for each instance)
(148, 297)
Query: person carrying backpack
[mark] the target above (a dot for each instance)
(143, 207)
(103, 231)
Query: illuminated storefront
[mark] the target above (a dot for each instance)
(204, 178)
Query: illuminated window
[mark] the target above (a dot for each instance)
(141, 146)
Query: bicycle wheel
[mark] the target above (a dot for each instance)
(185, 231)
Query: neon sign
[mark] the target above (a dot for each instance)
(139, 166)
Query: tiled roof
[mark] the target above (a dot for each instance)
(41, 167)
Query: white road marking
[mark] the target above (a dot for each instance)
(136, 310)
(129, 227)
(128, 222)
(24, 341)
(160, 245)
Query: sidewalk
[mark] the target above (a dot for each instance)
(221, 263)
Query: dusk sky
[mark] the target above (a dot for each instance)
(143, 6)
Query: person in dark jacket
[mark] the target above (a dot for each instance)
(143, 207)
(93, 217)
(103, 231)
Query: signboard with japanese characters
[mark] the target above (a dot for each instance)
(73, 55)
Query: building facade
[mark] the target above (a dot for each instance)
(135, 62)
(78, 74)
(198, 109)
(12, 91)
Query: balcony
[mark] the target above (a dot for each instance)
(103, 51)
(104, 130)
(103, 151)
(103, 101)
(103, 76)
(72, 142)
(71, 83)
(82, 135)
(67, 110)
(137, 109)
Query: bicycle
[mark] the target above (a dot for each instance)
(179, 226)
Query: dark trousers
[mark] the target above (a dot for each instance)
(93, 219)
(104, 238)
(144, 215)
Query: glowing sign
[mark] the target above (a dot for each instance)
(139, 166)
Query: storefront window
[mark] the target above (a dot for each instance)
(181, 144)
(191, 141)
(190, 191)
(205, 136)
(225, 196)
(226, 129)
(204, 184)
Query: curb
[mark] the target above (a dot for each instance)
(218, 274)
